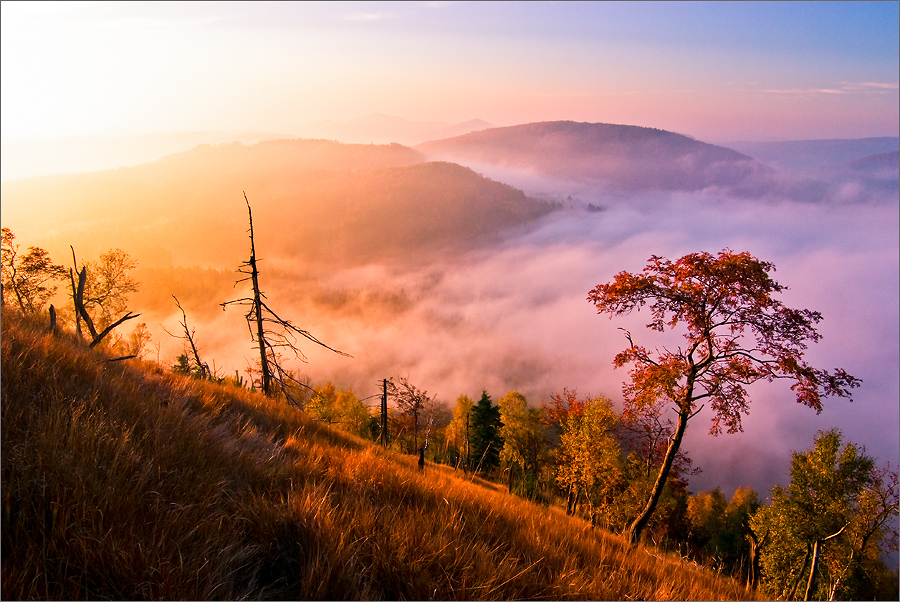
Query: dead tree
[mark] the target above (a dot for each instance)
(411, 401)
(384, 414)
(269, 331)
(201, 368)
(81, 312)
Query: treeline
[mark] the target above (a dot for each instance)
(822, 537)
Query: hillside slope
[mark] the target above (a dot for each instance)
(122, 481)
(313, 200)
(621, 156)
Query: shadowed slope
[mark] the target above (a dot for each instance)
(121, 481)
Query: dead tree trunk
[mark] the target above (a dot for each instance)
(268, 330)
(81, 310)
(52, 327)
(257, 311)
(384, 414)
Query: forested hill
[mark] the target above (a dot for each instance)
(121, 480)
(313, 200)
(621, 156)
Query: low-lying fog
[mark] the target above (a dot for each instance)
(515, 317)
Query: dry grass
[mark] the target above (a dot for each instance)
(122, 481)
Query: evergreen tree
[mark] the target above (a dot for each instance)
(485, 438)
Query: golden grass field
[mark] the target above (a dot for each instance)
(121, 480)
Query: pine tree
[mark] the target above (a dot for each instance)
(485, 439)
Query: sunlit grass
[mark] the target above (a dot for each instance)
(124, 481)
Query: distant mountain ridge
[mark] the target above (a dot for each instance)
(385, 129)
(620, 156)
(879, 162)
(813, 154)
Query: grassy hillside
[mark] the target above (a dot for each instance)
(123, 481)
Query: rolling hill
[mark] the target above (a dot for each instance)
(313, 200)
(617, 156)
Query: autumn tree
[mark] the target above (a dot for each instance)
(109, 282)
(556, 415)
(28, 280)
(524, 445)
(270, 332)
(827, 526)
(340, 407)
(736, 334)
(457, 432)
(589, 459)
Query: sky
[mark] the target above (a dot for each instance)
(715, 71)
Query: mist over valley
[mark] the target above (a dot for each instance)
(473, 274)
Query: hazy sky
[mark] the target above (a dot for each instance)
(716, 71)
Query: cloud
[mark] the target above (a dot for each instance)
(843, 88)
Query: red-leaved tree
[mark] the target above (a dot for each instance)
(737, 333)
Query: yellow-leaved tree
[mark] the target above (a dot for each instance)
(456, 433)
(589, 459)
(524, 445)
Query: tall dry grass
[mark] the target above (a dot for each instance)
(123, 481)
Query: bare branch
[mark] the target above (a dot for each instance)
(108, 329)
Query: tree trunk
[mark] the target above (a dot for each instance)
(466, 465)
(800, 574)
(415, 430)
(756, 548)
(78, 299)
(384, 420)
(843, 574)
(633, 533)
(811, 584)
(257, 308)
(75, 303)
(52, 328)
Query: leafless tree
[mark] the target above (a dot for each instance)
(200, 368)
(270, 332)
(413, 402)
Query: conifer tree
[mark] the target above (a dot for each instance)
(485, 439)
